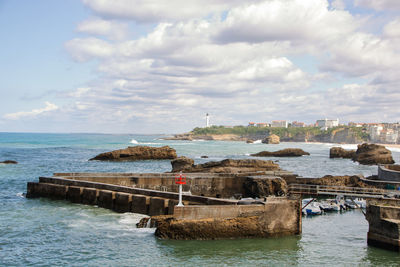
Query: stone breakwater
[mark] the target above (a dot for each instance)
(202, 217)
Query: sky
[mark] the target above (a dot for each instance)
(153, 66)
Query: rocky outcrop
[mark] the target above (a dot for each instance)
(225, 166)
(346, 180)
(370, 154)
(287, 152)
(339, 152)
(138, 153)
(272, 139)
(249, 141)
(181, 164)
(9, 162)
(258, 187)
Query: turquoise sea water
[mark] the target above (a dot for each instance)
(40, 232)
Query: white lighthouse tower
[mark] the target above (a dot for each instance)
(207, 120)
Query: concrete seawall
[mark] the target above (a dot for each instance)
(277, 217)
(384, 223)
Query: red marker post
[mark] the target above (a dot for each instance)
(180, 180)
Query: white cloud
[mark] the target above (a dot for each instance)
(79, 92)
(379, 4)
(295, 20)
(159, 11)
(34, 113)
(88, 48)
(392, 29)
(239, 68)
(111, 29)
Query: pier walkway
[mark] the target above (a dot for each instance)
(316, 190)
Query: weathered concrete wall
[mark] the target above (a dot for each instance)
(389, 173)
(277, 217)
(384, 223)
(117, 201)
(223, 185)
(132, 190)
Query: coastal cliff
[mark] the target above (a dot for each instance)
(348, 135)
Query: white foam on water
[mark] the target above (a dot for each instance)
(131, 218)
(149, 143)
(257, 142)
(21, 194)
(133, 141)
(394, 149)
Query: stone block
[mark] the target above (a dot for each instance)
(158, 206)
(57, 191)
(171, 206)
(140, 204)
(123, 202)
(74, 194)
(106, 199)
(32, 190)
(89, 196)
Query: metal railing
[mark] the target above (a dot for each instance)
(308, 189)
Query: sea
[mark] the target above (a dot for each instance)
(42, 232)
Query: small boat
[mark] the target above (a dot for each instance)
(328, 206)
(313, 209)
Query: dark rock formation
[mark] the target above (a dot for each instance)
(181, 164)
(249, 141)
(138, 153)
(287, 152)
(265, 186)
(225, 166)
(9, 162)
(272, 139)
(369, 154)
(338, 152)
(204, 157)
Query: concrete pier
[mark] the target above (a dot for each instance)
(202, 217)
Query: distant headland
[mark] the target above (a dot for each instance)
(338, 134)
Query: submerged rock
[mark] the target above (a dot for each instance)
(287, 152)
(369, 154)
(9, 162)
(338, 152)
(138, 153)
(224, 166)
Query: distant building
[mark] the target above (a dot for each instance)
(252, 124)
(283, 124)
(262, 124)
(207, 120)
(327, 123)
(375, 132)
(298, 124)
(355, 124)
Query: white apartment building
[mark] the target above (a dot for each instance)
(327, 123)
(375, 132)
(283, 124)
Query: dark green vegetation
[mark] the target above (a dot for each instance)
(290, 133)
